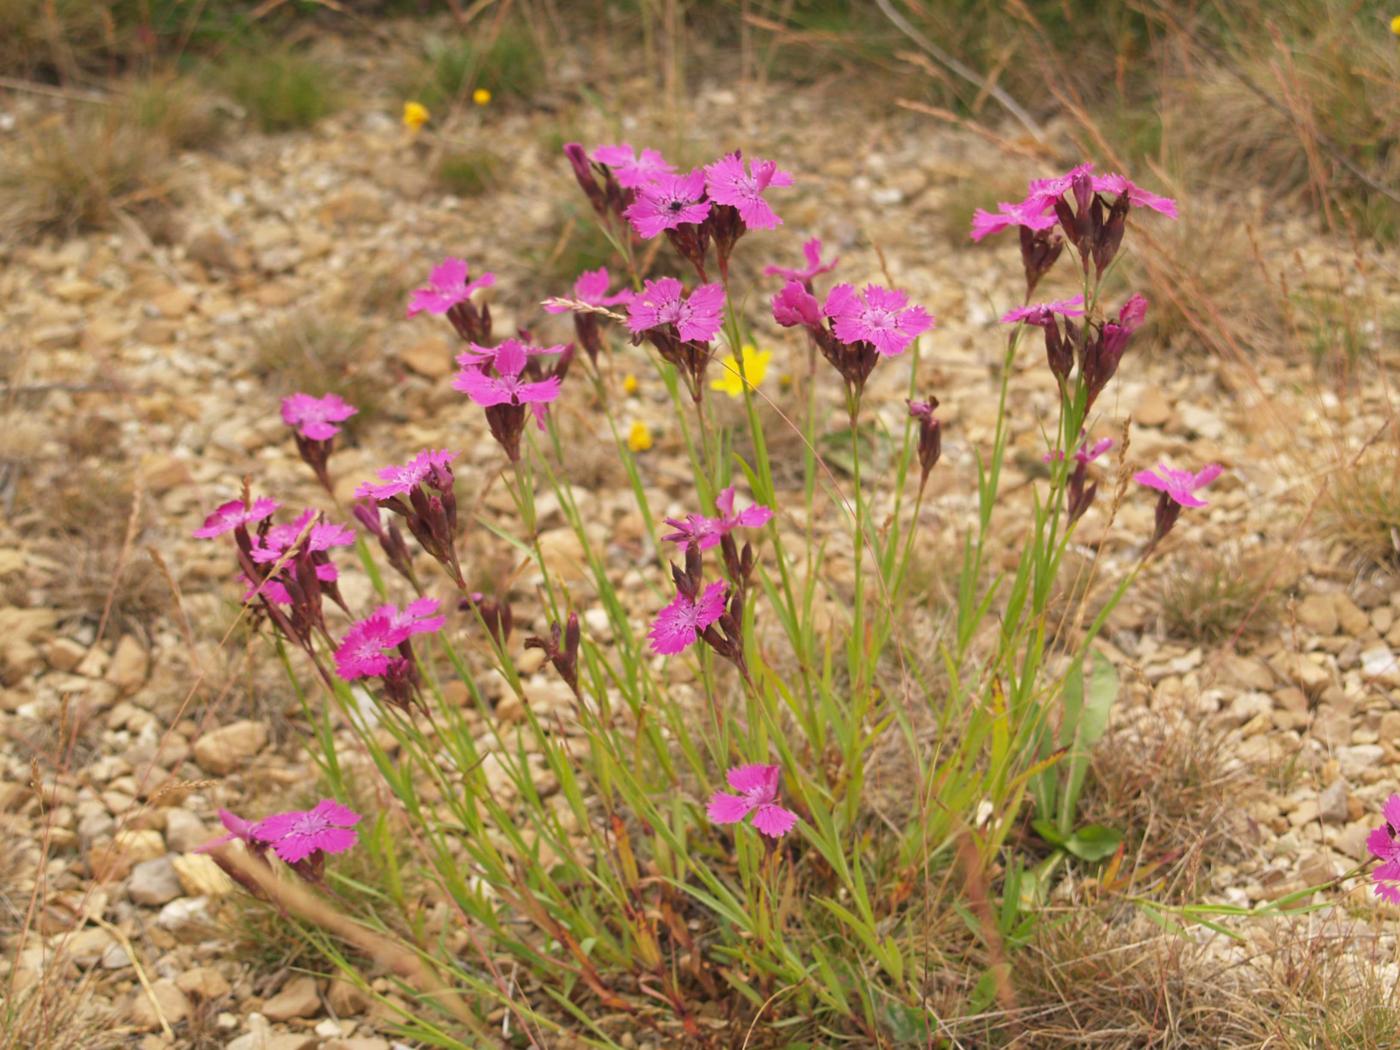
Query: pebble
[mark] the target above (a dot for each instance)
(298, 998)
(153, 882)
(225, 749)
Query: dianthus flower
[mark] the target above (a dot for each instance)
(632, 170)
(1178, 489)
(363, 652)
(878, 316)
(399, 480)
(505, 395)
(930, 437)
(668, 201)
(812, 251)
(705, 532)
(321, 536)
(237, 829)
(1032, 214)
(1385, 847)
(591, 289)
(315, 418)
(447, 286)
(696, 317)
(757, 785)
(1079, 496)
(680, 624)
(795, 305)
(328, 827)
(1038, 313)
(729, 183)
(235, 514)
(1104, 349)
(421, 490)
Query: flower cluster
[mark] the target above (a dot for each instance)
(505, 381)
(300, 838)
(421, 491)
(380, 646)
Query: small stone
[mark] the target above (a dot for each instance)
(346, 1000)
(258, 1036)
(187, 919)
(430, 358)
(1318, 613)
(153, 882)
(1153, 409)
(201, 876)
(298, 998)
(1349, 616)
(359, 1042)
(184, 831)
(1380, 665)
(1316, 868)
(1332, 803)
(174, 1006)
(172, 303)
(1359, 759)
(225, 749)
(204, 983)
(127, 671)
(64, 654)
(87, 947)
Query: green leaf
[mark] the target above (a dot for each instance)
(1093, 842)
(1046, 829)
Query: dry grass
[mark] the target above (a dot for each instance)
(314, 351)
(282, 89)
(77, 173)
(1211, 594)
(470, 173)
(1360, 510)
(178, 109)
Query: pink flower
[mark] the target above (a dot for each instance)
(363, 652)
(1039, 314)
(757, 785)
(229, 516)
(1032, 213)
(1384, 847)
(1115, 185)
(632, 170)
(238, 828)
(728, 183)
(794, 305)
(706, 532)
(876, 316)
(696, 317)
(447, 286)
(667, 202)
(1046, 191)
(316, 417)
(814, 268)
(401, 480)
(323, 536)
(477, 355)
(1084, 453)
(591, 288)
(326, 828)
(506, 386)
(1179, 485)
(679, 624)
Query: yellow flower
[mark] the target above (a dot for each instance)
(755, 368)
(415, 115)
(639, 437)
(1395, 25)
(629, 384)
(481, 96)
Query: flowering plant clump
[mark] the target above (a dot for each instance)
(668, 806)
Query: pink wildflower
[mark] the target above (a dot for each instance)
(795, 305)
(1046, 191)
(1115, 185)
(238, 828)
(322, 537)
(506, 386)
(728, 183)
(631, 169)
(1385, 847)
(877, 316)
(591, 288)
(706, 532)
(679, 624)
(447, 286)
(401, 480)
(1032, 214)
(1039, 314)
(477, 355)
(235, 513)
(328, 827)
(418, 617)
(667, 202)
(696, 317)
(757, 785)
(316, 417)
(812, 250)
(1085, 453)
(363, 652)
(1179, 485)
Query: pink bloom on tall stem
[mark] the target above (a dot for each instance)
(795, 305)
(477, 355)
(812, 250)
(228, 516)
(728, 183)
(367, 650)
(506, 386)
(679, 624)
(417, 617)
(1045, 191)
(316, 417)
(398, 480)
(632, 169)
(697, 317)
(1085, 453)
(706, 532)
(667, 202)
(1039, 313)
(447, 286)
(591, 288)
(1179, 485)
(322, 536)
(237, 827)
(1384, 846)
(328, 827)
(1034, 214)
(878, 316)
(1114, 185)
(757, 785)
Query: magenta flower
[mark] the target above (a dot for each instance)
(316, 417)
(696, 317)
(1046, 191)
(1040, 313)
(728, 183)
(679, 624)
(876, 316)
(1116, 185)
(812, 250)
(591, 288)
(447, 286)
(1179, 485)
(631, 169)
(1384, 847)
(477, 355)
(402, 480)
(1085, 453)
(757, 785)
(363, 652)
(667, 202)
(326, 828)
(1032, 213)
(506, 387)
(322, 537)
(795, 305)
(233, 514)
(706, 532)
(238, 828)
